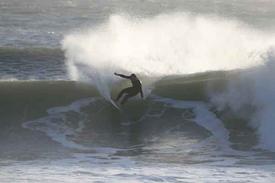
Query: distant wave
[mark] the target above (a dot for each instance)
(32, 53)
(34, 63)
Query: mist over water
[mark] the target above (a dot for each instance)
(166, 44)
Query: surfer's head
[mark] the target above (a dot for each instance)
(133, 76)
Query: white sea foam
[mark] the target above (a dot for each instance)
(88, 169)
(204, 118)
(255, 87)
(55, 124)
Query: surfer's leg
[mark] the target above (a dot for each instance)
(125, 99)
(130, 93)
(126, 90)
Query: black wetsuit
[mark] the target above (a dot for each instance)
(131, 91)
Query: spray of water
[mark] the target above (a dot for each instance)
(162, 45)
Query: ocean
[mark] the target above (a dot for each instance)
(207, 69)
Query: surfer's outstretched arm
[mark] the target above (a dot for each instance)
(123, 76)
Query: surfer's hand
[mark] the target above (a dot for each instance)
(115, 74)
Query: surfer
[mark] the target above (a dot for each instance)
(130, 91)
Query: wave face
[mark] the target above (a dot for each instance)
(43, 106)
(90, 123)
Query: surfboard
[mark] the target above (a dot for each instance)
(114, 104)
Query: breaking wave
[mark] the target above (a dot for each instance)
(181, 44)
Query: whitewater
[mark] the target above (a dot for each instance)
(207, 71)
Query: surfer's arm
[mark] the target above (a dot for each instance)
(123, 76)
